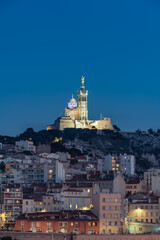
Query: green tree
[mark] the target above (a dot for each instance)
(2, 166)
(116, 128)
(150, 131)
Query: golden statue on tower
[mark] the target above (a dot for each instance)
(82, 80)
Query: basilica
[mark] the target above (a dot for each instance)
(76, 115)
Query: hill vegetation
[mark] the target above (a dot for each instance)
(145, 146)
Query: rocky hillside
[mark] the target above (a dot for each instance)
(145, 146)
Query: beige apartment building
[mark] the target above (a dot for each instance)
(144, 209)
(108, 207)
(148, 176)
(77, 199)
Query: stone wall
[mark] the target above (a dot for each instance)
(34, 236)
(118, 237)
(48, 236)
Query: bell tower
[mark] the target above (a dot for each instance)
(82, 102)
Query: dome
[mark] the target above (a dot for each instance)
(72, 103)
(72, 100)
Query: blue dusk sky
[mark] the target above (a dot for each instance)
(46, 46)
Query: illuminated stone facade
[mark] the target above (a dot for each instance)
(76, 115)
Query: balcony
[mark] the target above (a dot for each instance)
(17, 204)
(13, 196)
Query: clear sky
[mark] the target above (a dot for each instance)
(46, 46)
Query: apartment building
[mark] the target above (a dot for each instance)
(80, 222)
(144, 208)
(12, 205)
(108, 207)
(77, 199)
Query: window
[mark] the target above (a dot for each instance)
(89, 224)
(115, 223)
(63, 224)
(94, 224)
(38, 224)
(22, 223)
(103, 199)
(72, 224)
(77, 224)
(104, 215)
(103, 207)
(33, 224)
(49, 225)
(26, 202)
(115, 207)
(109, 223)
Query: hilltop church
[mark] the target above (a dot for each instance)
(76, 115)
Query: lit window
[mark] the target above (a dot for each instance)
(77, 224)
